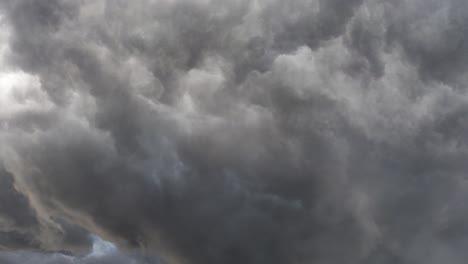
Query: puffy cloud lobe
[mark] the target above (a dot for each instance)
(236, 131)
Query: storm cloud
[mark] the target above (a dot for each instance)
(215, 131)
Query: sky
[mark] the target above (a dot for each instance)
(233, 131)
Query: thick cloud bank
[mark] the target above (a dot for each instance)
(216, 131)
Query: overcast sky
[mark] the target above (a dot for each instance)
(233, 131)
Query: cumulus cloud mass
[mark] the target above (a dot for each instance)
(233, 131)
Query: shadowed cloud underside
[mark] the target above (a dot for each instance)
(216, 131)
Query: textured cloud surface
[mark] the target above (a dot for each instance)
(103, 252)
(216, 131)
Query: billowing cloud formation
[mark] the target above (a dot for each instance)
(215, 131)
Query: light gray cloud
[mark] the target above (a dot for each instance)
(218, 131)
(103, 252)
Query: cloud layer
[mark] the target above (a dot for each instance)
(215, 131)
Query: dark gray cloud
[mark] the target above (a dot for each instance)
(234, 131)
(22, 229)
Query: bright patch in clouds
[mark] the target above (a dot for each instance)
(19, 91)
